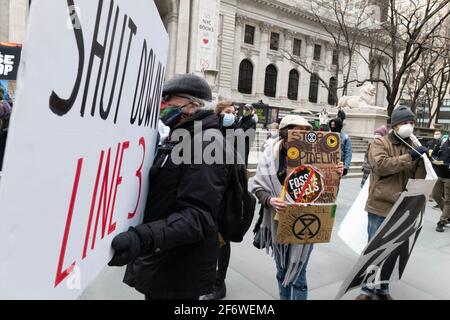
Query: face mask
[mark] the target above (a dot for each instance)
(228, 120)
(437, 137)
(406, 130)
(377, 136)
(171, 116)
(274, 133)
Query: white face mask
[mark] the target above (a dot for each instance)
(377, 136)
(406, 130)
(274, 133)
(437, 137)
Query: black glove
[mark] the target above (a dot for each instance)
(127, 247)
(345, 172)
(415, 154)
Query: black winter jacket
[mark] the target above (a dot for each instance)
(181, 217)
(443, 154)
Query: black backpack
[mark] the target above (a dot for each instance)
(238, 206)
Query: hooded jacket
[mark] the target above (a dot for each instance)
(392, 167)
(181, 216)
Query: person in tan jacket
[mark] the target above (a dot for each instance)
(393, 163)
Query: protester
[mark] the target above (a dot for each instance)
(273, 134)
(378, 133)
(346, 143)
(394, 160)
(173, 253)
(441, 190)
(5, 112)
(341, 114)
(291, 259)
(323, 120)
(226, 111)
(247, 127)
(435, 143)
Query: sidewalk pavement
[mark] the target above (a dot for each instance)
(251, 275)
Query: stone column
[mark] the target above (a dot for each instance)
(172, 29)
(240, 23)
(286, 65)
(181, 63)
(263, 49)
(305, 77)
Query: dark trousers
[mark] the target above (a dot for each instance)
(223, 260)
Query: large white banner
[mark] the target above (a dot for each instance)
(208, 24)
(81, 142)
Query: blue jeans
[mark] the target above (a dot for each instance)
(297, 290)
(373, 225)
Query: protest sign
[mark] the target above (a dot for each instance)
(9, 60)
(310, 188)
(384, 259)
(81, 142)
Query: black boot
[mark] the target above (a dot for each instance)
(440, 226)
(220, 291)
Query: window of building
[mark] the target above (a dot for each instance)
(332, 93)
(270, 84)
(297, 47)
(249, 34)
(245, 77)
(313, 88)
(317, 51)
(335, 59)
(293, 85)
(274, 41)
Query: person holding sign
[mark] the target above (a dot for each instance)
(173, 253)
(291, 259)
(394, 160)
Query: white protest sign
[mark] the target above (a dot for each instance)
(81, 142)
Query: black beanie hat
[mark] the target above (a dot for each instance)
(188, 84)
(401, 114)
(338, 123)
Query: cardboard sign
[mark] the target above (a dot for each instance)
(313, 182)
(9, 60)
(81, 142)
(306, 224)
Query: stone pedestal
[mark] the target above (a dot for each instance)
(363, 122)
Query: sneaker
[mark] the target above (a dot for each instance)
(363, 296)
(220, 291)
(384, 296)
(440, 227)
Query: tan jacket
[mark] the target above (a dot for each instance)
(392, 167)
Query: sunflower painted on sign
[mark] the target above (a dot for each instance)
(293, 153)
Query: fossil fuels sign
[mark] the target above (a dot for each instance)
(310, 188)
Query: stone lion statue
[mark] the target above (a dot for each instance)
(365, 100)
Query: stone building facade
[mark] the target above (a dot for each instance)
(250, 62)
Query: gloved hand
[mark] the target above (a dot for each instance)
(345, 172)
(127, 247)
(420, 150)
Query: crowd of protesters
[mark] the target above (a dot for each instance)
(194, 210)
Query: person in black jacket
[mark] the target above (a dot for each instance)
(341, 114)
(441, 190)
(226, 111)
(173, 253)
(247, 126)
